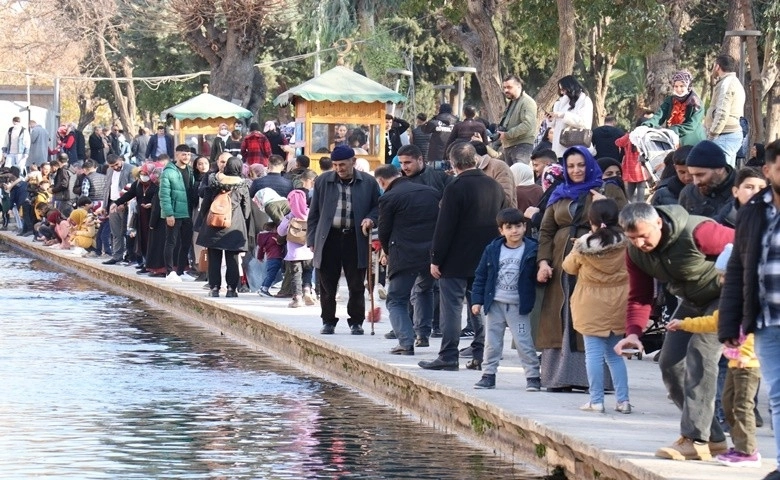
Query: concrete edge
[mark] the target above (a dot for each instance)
(518, 439)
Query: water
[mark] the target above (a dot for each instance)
(94, 385)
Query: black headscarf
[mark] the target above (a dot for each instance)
(233, 167)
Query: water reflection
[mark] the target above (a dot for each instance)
(99, 386)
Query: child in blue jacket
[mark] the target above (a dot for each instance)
(505, 285)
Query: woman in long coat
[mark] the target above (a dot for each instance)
(565, 219)
(230, 240)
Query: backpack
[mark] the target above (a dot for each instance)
(296, 231)
(221, 211)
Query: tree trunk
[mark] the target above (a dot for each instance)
(479, 40)
(567, 45)
(662, 64)
(126, 115)
(600, 70)
(735, 20)
(773, 113)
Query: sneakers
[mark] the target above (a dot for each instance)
(716, 448)
(173, 277)
(263, 292)
(533, 384)
(466, 352)
(593, 407)
(231, 293)
(466, 332)
(685, 449)
(296, 302)
(308, 298)
(487, 381)
(390, 335)
(436, 333)
(623, 407)
(735, 458)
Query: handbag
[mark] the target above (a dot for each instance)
(203, 261)
(571, 137)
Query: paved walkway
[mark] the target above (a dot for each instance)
(624, 441)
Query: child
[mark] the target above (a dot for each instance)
(742, 380)
(269, 249)
(507, 303)
(599, 301)
(298, 254)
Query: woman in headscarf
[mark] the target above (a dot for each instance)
(681, 112)
(143, 191)
(82, 231)
(154, 260)
(298, 256)
(231, 240)
(528, 192)
(566, 218)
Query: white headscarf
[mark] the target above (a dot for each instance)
(524, 174)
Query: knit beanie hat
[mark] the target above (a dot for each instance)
(723, 258)
(606, 162)
(343, 152)
(706, 154)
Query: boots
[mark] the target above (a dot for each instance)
(308, 298)
(296, 302)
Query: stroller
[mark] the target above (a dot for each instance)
(653, 144)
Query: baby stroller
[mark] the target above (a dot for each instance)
(653, 144)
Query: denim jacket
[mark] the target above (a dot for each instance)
(483, 290)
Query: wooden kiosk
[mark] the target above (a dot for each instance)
(340, 107)
(196, 121)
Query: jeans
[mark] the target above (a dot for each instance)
(768, 351)
(723, 366)
(301, 276)
(178, 239)
(452, 292)
(730, 143)
(272, 267)
(739, 392)
(340, 253)
(399, 292)
(689, 368)
(117, 221)
(215, 268)
(597, 350)
(520, 153)
(501, 316)
(103, 238)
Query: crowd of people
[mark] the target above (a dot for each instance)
(547, 230)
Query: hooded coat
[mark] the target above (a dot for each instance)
(234, 237)
(600, 298)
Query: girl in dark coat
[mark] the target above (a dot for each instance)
(154, 259)
(232, 239)
(143, 190)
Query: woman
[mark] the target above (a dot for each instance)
(231, 239)
(563, 358)
(154, 260)
(82, 232)
(143, 191)
(756, 156)
(298, 256)
(611, 171)
(528, 192)
(546, 140)
(681, 112)
(275, 138)
(574, 109)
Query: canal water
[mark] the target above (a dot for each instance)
(100, 386)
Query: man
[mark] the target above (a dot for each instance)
(439, 127)
(669, 189)
(749, 301)
(114, 143)
(540, 160)
(160, 144)
(273, 179)
(467, 130)
(498, 171)
(517, 129)
(407, 219)
(420, 139)
(220, 142)
(344, 209)
(97, 146)
(414, 168)
(464, 227)
(139, 145)
(60, 186)
(93, 184)
(726, 108)
(176, 205)
(118, 175)
(394, 127)
(16, 145)
(39, 145)
(712, 179)
(255, 147)
(661, 237)
(604, 138)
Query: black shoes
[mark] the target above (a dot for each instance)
(474, 364)
(436, 333)
(328, 329)
(111, 261)
(390, 335)
(487, 381)
(214, 292)
(399, 350)
(439, 364)
(158, 275)
(421, 342)
(356, 330)
(142, 271)
(231, 293)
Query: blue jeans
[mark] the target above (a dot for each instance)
(103, 239)
(768, 350)
(398, 293)
(730, 143)
(272, 266)
(597, 350)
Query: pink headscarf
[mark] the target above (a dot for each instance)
(297, 201)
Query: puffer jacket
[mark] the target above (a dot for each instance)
(174, 198)
(599, 300)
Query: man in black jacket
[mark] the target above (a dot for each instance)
(464, 227)
(414, 168)
(394, 127)
(604, 138)
(439, 127)
(407, 218)
(712, 180)
(750, 299)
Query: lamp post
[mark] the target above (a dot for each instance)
(460, 71)
(398, 72)
(743, 36)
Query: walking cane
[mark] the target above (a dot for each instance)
(375, 312)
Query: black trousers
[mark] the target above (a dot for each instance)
(340, 253)
(178, 239)
(215, 268)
